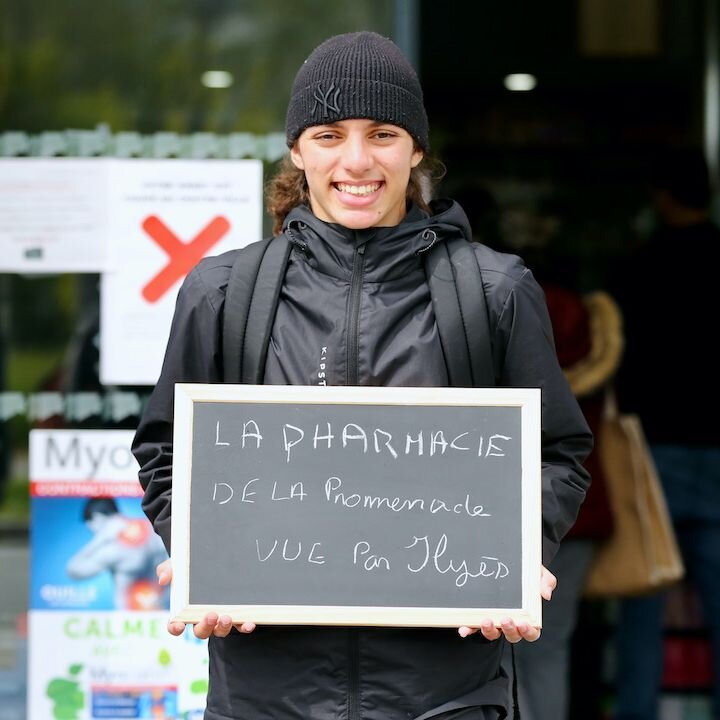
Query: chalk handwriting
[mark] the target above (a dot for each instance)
(432, 558)
(328, 437)
(226, 492)
(354, 432)
(422, 443)
(297, 490)
(217, 436)
(247, 494)
(288, 444)
(494, 450)
(368, 560)
(291, 552)
(250, 430)
(335, 495)
(223, 492)
(435, 442)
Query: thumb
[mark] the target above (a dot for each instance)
(164, 572)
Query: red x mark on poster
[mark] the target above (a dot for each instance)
(183, 256)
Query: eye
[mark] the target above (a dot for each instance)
(326, 135)
(384, 134)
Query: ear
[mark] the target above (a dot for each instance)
(296, 157)
(417, 157)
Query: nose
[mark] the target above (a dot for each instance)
(357, 155)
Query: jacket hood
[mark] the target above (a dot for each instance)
(448, 217)
(389, 251)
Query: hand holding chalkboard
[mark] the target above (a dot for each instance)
(515, 632)
(221, 626)
(211, 624)
(366, 506)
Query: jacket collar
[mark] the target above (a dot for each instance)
(389, 252)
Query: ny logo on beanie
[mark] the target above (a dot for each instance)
(324, 101)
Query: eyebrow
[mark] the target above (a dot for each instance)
(374, 123)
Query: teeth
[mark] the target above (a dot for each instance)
(358, 189)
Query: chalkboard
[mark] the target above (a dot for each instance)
(356, 505)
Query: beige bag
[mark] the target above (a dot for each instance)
(642, 555)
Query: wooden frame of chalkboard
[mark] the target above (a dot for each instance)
(364, 506)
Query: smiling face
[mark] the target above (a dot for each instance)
(357, 171)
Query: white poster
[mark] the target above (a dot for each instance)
(52, 215)
(165, 216)
(75, 463)
(112, 665)
(98, 645)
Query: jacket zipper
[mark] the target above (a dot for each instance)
(353, 700)
(354, 316)
(353, 379)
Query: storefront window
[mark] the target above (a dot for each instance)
(164, 79)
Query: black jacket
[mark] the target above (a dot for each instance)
(355, 309)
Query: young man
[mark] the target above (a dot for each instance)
(349, 198)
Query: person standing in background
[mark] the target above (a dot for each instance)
(588, 336)
(669, 298)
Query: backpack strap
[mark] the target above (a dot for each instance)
(457, 294)
(461, 312)
(251, 302)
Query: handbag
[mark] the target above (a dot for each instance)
(642, 554)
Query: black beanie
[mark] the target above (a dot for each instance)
(357, 75)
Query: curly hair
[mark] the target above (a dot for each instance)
(288, 188)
